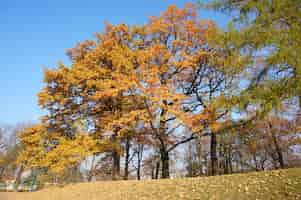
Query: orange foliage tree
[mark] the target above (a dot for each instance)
(130, 79)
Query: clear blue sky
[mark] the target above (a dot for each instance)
(35, 34)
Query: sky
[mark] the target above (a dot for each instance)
(34, 35)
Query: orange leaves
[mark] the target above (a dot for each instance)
(194, 122)
(171, 19)
(149, 61)
(127, 77)
(71, 152)
(32, 135)
(32, 140)
(215, 126)
(40, 151)
(80, 50)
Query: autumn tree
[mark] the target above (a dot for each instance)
(168, 82)
(129, 77)
(208, 84)
(97, 99)
(178, 46)
(48, 152)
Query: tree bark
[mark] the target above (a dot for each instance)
(116, 165)
(157, 170)
(277, 147)
(138, 170)
(165, 163)
(213, 155)
(230, 160)
(139, 160)
(127, 159)
(279, 151)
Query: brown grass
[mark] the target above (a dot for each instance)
(281, 184)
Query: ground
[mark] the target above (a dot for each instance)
(279, 184)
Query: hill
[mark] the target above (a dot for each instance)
(278, 184)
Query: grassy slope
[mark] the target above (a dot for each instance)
(281, 184)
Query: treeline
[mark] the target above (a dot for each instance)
(174, 97)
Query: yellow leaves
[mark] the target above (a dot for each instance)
(194, 122)
(172, 18)
(215, 127)
(71, 152)
(50, 75)
(40, 151)
(80, 50)
(125, 122)
(32, 140)
(32, 135)
(44, 98)
(127, 76)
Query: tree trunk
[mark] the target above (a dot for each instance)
(138, 170)
(139, 156)
(157, 170)
(164, 155)
(1, 172)
(257, 168)
(92, 170)
(165, 163)
(89, 179)
(116, 165)
(277, 147)
(223, 157)
(213, 155)
(18, 177)
(230, 160)
(127, 159)
(278, 150)
(153, 172)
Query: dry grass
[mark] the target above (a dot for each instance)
(281, 184)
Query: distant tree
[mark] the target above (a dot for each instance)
(2, 141)
(2, 153)
(10, 149)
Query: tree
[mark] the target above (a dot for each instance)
(11, 149)
(177, 46)
(267, 32)
(139, 92)
(42, 150)
(2, 148)
(129, 77)
(266, 143)
(2, 142)
(208, 84)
